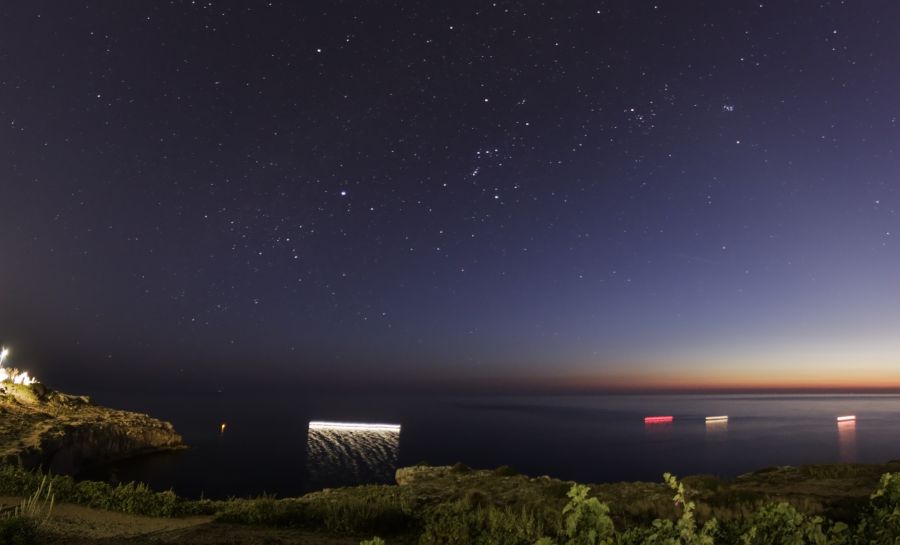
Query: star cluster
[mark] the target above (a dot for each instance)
(449, 190)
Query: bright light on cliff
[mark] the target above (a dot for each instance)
(16, 378)
(13, 375)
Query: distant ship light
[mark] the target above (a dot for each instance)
(722, 418)
(848, 418)
(658, 419)
(319, 425)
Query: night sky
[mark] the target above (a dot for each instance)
(517, 194)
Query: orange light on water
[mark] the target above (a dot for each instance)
(848, 418)
(658, 419)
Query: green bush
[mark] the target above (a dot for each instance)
(681, 532)
(358, 510)
(586, 520)
(782, 523)
(18, 530)
(458, 523)
(23, 525)
(362, 514)
(134, 498)
(478, 508)
(267, 511)
(880, 524)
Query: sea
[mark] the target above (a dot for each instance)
(267, 447)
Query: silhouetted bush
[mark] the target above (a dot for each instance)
(505, 471)
(18, 530)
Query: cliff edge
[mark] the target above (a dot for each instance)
(64, 434)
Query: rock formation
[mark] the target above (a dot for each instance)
(65, 434)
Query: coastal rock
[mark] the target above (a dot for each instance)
(65, 434)
(415, 474)
(408, 475)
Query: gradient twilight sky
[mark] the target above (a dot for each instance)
(574, 194)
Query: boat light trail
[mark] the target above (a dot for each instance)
(320, 425)
(722, 418)
(658, 419)
(848, 418)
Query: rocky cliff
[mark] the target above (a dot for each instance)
(65, 434)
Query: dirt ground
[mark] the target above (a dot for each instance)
(73, 524)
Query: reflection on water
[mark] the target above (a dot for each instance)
(657, 429)
(606, 432)
(340, 454)
(716, 428)
(847, 440)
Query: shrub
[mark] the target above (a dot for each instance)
(587, 521)
(359, 510)
(460, 467)
(265, 510)
(134, 498)
(18, 530)
(21, 528)
(880, 523)
(474, 499)
(681, 532)
(505, 471)
(782, 523)
(38, 506)
(457, 523)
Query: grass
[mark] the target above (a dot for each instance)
(457, 504)
(18, 530)
(354, 511)
(23, 525)
(133, 498)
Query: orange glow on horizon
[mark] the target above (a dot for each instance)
(723, 380)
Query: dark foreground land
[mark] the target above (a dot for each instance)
(821, 504)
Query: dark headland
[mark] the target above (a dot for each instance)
(63, 433)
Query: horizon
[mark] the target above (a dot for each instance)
(197, 382)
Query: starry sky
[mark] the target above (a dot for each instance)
(606, 194)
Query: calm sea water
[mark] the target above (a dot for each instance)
(266, 446)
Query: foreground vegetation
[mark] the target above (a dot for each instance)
(821, 505)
